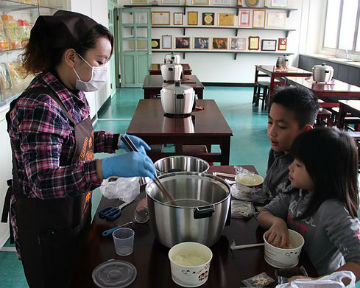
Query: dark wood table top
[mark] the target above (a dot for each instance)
(282, 72)
(336, 88)
(157, 82)
(354, 105)
(149, 120)
(228, 268)
(155, 69)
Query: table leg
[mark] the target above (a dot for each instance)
(272, 89)
(225, 151)
(199, 93)
(341, 116)
(255, 81)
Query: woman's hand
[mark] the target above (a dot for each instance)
(277, 235)
(140, 144)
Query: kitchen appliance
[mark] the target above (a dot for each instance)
(181, 163)
(322, 73)
(282, 62)
(201, 210)
(177, 100)
(171, 72)
(172, 59)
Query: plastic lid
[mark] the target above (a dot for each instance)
(114, 273)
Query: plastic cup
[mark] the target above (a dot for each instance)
(123, 241)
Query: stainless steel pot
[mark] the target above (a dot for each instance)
(282, 62)
(172, 59)
(177, 99)
(171, 72)
(202, 206)
(181, 164)
(322, 73)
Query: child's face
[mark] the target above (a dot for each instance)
(299, 176)
(282, 128)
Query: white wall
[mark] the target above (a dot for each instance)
(221, 67)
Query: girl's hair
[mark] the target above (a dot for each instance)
(331, 159)
(40, 55)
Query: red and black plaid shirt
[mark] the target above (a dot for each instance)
(44, 142)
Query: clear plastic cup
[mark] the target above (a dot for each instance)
(123, 241)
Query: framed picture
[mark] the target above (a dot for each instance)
(220, 2)
(276, 19)
(237, 43)
(254, 42)
(226, 19)
(178, 18)
(282, 44)
(201, 42)
(155, 43)
(258, 18)
(166, 2)
(182, 42)
(166, 42)
(160, 18)
(239, 3)
(139, 1)
(208, 18)
(192, 18)
(220, 43)
(200, 2)
(278, 3)
(244, 18)
(268, 45)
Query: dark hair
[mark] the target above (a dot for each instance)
(331, 159)
(299, 100)
(40, 56)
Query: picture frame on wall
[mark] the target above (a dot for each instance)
(160, 18)
(244, 17)
(282, 44)
(268, 45)
(178, 18)
(238, 43)
(166, 42)
(208, 18)
(220, 2)
(239, 3)
(155, 43)
(278, 3)
(276, 19)
(139, 2)
(182, 42)
(201, 43)
(192, 18)
(258, 18)
(254, 42)
(220, 43)
(226, 19)
(200, 2)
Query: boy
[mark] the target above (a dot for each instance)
(292, 112)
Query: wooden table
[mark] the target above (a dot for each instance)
(348, 106)
(153, 84)
(336, 90)
(204, 127)
(155, 69)
(274, 73)
(228, 268)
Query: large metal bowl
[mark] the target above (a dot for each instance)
(181, 164)
(200, 211)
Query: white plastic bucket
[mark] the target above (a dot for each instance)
(284, 258)
(190, 263)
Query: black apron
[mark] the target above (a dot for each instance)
(51, 232)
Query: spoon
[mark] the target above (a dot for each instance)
(141, 216)
(236, 247)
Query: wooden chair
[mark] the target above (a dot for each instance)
(261, 92)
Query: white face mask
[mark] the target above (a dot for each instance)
(98, 78)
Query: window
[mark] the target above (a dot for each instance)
(341, 27)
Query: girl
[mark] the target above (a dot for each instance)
(324, 208)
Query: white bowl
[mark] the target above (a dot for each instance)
(246, 182)
(284, 258)
(190, 263)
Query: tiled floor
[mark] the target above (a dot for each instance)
(249, 145)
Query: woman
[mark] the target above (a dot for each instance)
(53, 145)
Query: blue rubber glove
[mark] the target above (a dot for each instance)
(131, 164)
(140, 144)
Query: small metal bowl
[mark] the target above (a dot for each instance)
(181, 164)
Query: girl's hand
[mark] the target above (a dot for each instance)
(277, 235)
